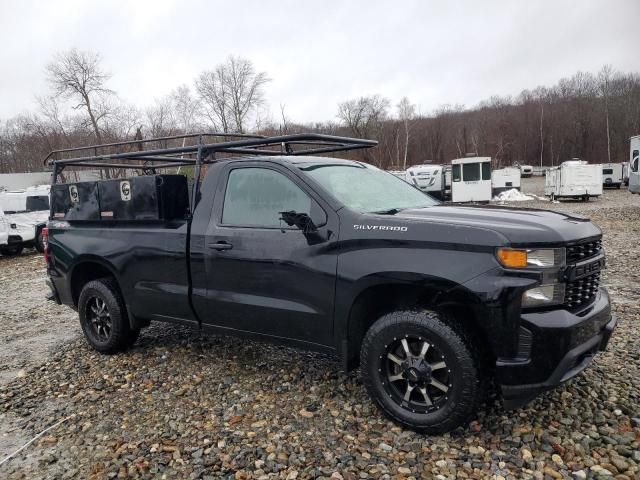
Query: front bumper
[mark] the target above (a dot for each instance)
(558, 346)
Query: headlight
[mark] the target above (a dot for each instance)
(531, 258)
(543, 295)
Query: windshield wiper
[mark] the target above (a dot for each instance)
(391, 211)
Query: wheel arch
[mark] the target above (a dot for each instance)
(87, 268)
(90, 267)
(461, 307)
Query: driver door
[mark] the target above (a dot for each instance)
(264, 276)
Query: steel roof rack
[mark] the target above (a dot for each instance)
(199, 152)
(131, 154)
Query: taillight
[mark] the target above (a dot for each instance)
(45, 243)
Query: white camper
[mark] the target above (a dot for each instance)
(526, 171)
(505, 179)
(634, 168)
(612, 175)
(573, 179)
(428, 178)
(471, 179)
(26, 212)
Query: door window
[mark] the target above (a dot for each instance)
(486, 171)
(471, 172)
(255, 197)
(455, 173)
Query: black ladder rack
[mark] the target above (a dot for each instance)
(131, 154)
(200, 152)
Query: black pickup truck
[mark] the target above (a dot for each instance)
(433, 302)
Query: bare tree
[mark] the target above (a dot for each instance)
(185, 107)
(406, 114)
(231, 93)
(160, 118)
(363, 115)
(284, 126)
(77, 75)
(604, 77)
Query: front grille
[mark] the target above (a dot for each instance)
(582, 251)
(582, 292)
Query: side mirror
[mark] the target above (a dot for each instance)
(301, 220)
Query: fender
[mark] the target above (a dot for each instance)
(365, 301)
(90, 258)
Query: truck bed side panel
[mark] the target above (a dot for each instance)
(148, 262)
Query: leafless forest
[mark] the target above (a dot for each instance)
(589, 115)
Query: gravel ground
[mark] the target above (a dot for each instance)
(181, 405)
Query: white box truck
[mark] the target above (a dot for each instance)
(428, 178)
(504, 179)
(634, 159)
(574, 179)
(471, 179)
(612, 175)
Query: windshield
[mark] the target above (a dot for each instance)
(367, 189)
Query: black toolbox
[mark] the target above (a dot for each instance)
(147, 197)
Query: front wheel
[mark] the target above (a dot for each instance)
(421, 372)
(103, 317)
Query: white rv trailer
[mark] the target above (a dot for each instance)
(428, 178)
(505, 179)
(634, 168)
(26, 212)
(471, 179)
(573, 179)
(612, 175)
(526, 171)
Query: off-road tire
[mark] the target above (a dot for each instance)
(120, 336)
(462, 360)
(11, 251)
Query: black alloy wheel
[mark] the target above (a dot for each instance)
(415, 374)
(99, 318)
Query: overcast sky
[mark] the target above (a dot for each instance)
(319, 53)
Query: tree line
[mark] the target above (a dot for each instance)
(588, 115)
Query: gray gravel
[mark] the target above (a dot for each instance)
(188, 406)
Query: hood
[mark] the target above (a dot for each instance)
(516, 226)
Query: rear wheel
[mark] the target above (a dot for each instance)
(103, 317)
(420, 371)
(11, 250)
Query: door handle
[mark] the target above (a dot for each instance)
(221, 246)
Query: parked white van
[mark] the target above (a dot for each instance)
(505, 179)
(574, 179)
(471, 179)
(26, 212)
(612, 174)
(428, 178)
(634, 168)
